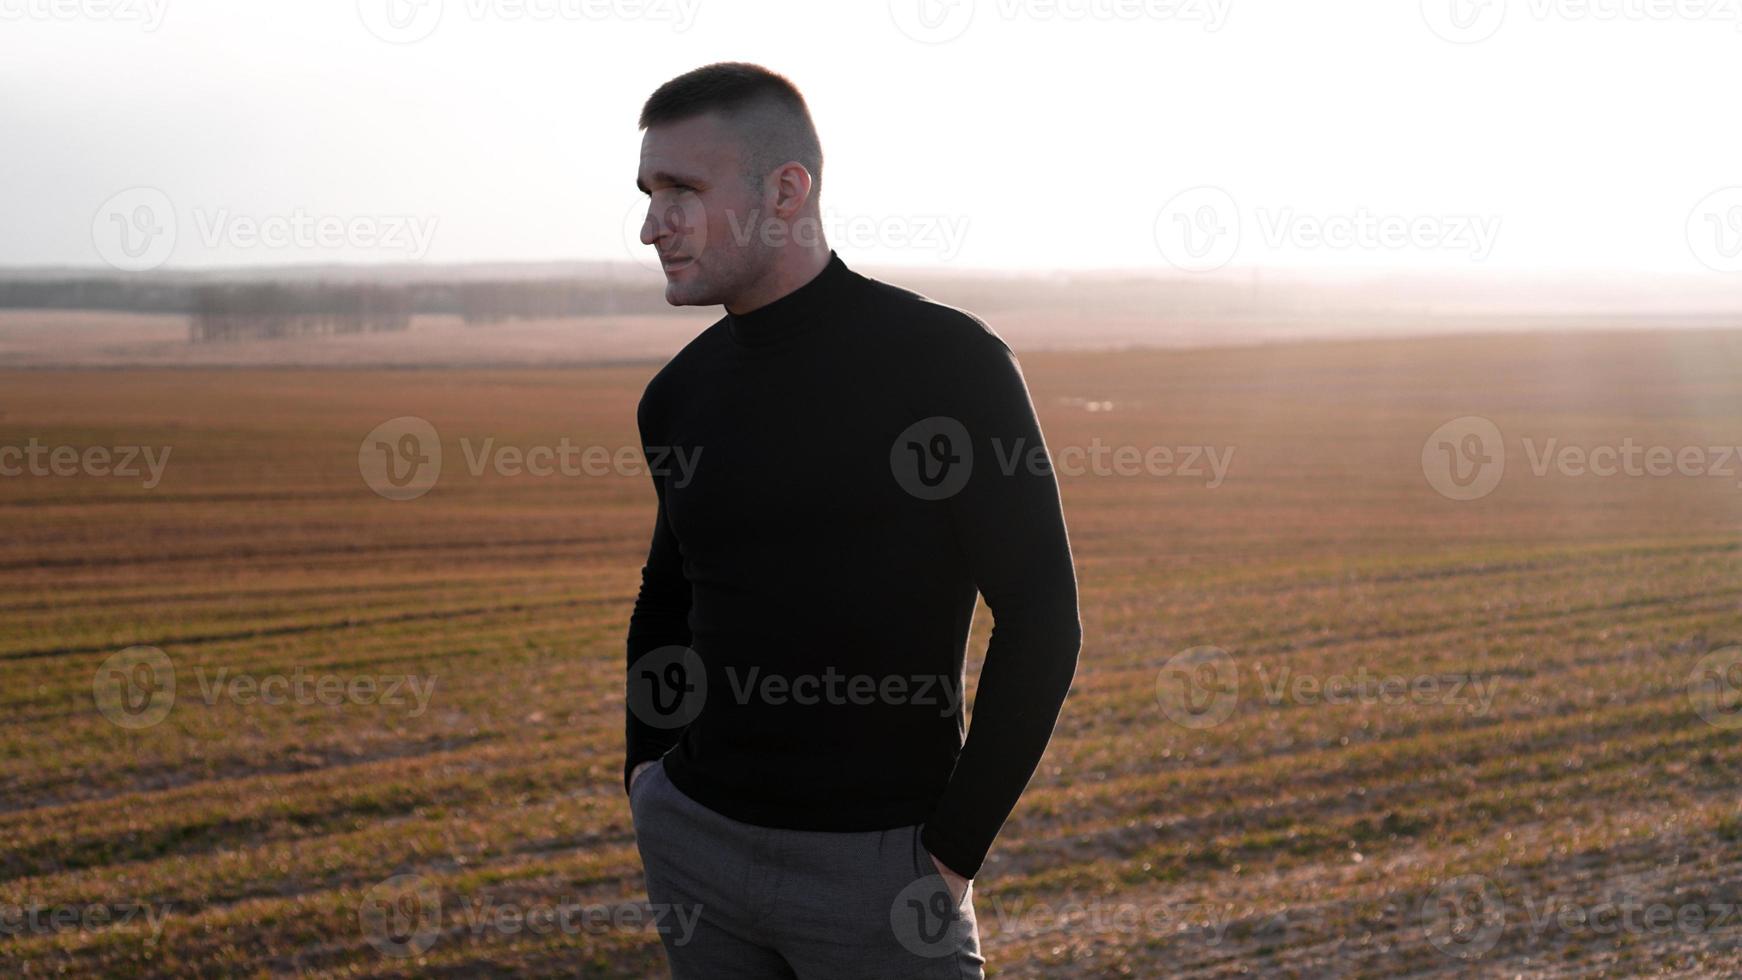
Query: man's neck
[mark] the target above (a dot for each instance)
(793, 271)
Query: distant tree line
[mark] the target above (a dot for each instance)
(290, 307)
(136, 296)
(491, 302)
(276, 310)
(228, 305)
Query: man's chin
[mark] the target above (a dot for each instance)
(681, 293)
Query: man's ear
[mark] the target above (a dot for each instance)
(792, 188)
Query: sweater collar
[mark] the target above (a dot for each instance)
(790, 314)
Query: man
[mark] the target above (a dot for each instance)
(861, 462)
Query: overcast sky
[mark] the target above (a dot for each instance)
(1511, 134)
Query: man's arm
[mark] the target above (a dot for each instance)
(660, 618)
(1010, 527)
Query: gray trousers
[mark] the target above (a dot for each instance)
(742, 901)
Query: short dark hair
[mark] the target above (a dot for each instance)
(777, 123)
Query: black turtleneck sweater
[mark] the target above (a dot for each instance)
(838, 473)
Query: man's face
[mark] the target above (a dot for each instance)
(699, 211)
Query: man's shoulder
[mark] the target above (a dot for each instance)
(682, 366)
(912, 317)
(693, 355)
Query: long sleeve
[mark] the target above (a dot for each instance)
(660, 618)
(1010, 527)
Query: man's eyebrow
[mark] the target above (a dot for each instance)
(664, 177)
